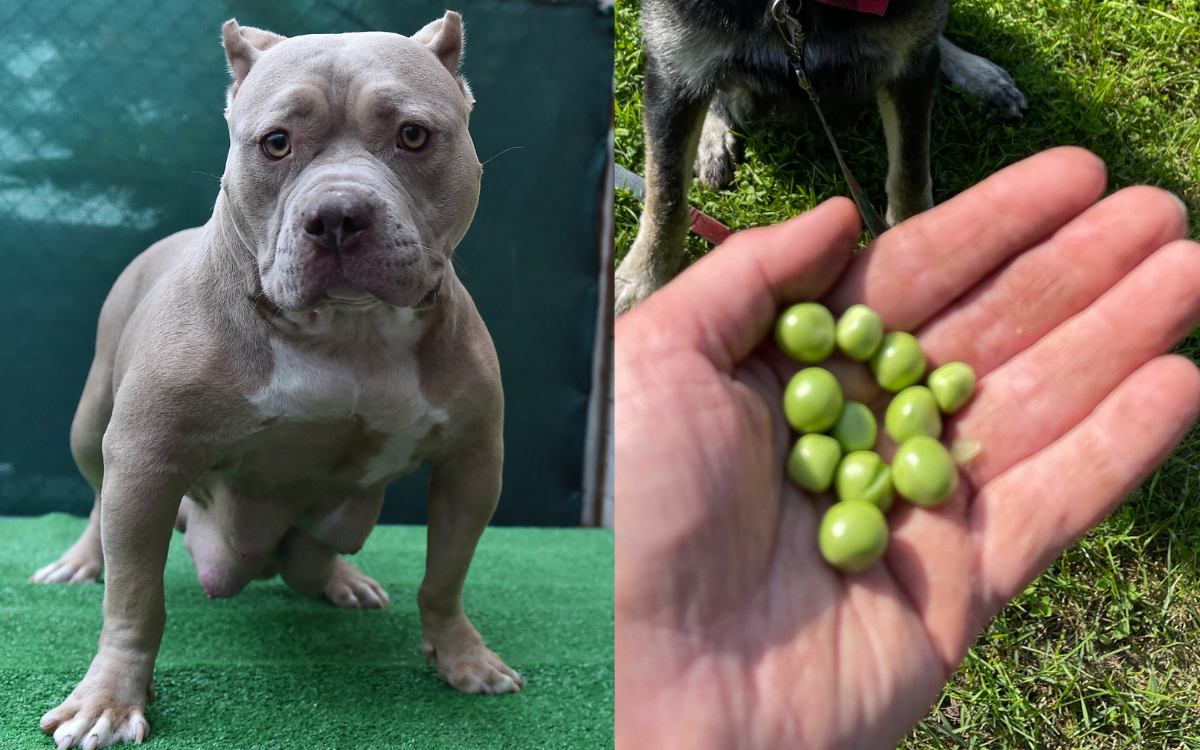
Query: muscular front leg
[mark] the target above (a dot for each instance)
(673, 121)
(138, 513)
(905, 106)
(463, 492)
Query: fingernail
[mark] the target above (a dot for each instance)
(1182, 205)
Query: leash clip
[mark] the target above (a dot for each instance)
(792, 35)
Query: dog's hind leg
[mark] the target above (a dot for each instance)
(983, 78)
(905, 106)
(673, 122)
(84, 560)
(720, 150)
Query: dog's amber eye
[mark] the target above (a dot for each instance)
(277, 145)
(412, 137)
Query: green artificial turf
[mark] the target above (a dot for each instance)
(1103, 650)
(271, 669)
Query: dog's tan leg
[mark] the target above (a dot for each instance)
(463, 493)
(905, 106)
(673, 122)
(83, 562)
(140, 500)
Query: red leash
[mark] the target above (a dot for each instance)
(702, 224)
(877, 7)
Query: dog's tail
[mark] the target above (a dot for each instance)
(983, 78)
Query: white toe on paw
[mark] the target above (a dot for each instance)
(90, 727)
(350, 588)
(68, 569)
(480, 671)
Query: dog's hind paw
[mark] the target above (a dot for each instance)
(350, 588)
(1003, 94)
(717, 155)
(983, 78)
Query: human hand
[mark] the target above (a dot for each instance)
(732, 631)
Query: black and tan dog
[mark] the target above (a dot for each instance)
(713, 65)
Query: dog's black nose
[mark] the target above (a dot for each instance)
(334, 219)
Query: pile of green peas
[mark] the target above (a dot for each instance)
(837, 437)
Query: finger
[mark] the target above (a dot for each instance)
(920, 266)
(1047, 285)
(1028, 516)
(725, 303)
(1042, 393)
(928, 551)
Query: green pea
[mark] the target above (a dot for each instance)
(853, 535)
(899, 362)
(859, 333)
(855, 429)
(863, 475)
(813, 400)
(952, 385)
(913, 411)
(805, 332)
(812, 462)
(923, 471)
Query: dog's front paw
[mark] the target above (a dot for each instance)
(629, 288)
(472, 667)
(350, 588)
(80, 564)
(95, 716)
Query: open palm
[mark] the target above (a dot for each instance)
(731, 629)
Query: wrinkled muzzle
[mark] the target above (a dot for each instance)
(346, 240)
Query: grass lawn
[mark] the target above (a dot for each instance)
(1103, 650)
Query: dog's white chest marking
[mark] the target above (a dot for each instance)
(377, 383)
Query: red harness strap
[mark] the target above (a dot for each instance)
(878, 7)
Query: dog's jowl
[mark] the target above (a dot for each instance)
(716, 65)
(279, 366)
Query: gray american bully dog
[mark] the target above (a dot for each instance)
(279, 366)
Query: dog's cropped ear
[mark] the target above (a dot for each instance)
(444, 38)
(243, 45)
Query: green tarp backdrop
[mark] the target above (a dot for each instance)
(112, 136)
